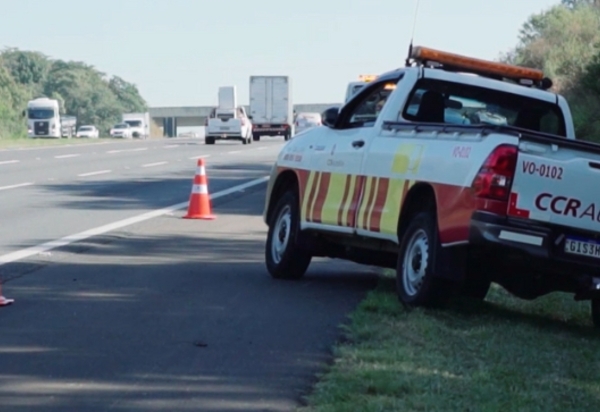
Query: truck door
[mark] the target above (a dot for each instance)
(338, 157)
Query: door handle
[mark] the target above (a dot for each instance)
(357, 144)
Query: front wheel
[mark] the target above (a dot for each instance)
(283, 256)
(416, 284)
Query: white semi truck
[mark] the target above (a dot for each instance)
(271, 106)
(139, 124)
(43, 118)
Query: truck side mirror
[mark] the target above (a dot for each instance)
(250, 117)
(330, 116)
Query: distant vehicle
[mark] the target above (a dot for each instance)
(122, 130)
(305, 121)
(271, 107)
(88, 131)
(43, 118)
(139, 123)
(68, 126)
(355, 87)
(228, 123)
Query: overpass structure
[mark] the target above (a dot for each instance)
(166, 120)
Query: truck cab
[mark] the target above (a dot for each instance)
(43, 118)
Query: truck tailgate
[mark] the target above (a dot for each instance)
(223, 126)
(556, 181)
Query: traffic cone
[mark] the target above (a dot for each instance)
(3, 300)
(199, 206)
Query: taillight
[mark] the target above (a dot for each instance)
(495, 177)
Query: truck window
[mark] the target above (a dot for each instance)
(436, 101)
(367, 111)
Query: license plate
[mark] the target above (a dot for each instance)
(582, 247)
(223, 128)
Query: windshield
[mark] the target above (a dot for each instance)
(446, 102)
(41, 113)
(85, 129)
(134, 123)
(122, 126)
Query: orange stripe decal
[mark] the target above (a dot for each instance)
(365, 217)
(302, 181)
(321, 196)
(358, 188)
(379, 204)
(344, 200)
(311, 196)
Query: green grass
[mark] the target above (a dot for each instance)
(504, 354)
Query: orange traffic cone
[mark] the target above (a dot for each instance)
(3, 300)
(199, 206)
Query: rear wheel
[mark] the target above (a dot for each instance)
(285, 259)
(209, 140)
(416, 283)
(256, 138)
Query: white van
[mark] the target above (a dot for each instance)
(305, 121)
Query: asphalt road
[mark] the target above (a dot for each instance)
(165, 314)
(48, 193)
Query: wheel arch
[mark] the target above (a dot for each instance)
(420, 197)
(287, 179)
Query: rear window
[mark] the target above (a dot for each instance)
(438, 101)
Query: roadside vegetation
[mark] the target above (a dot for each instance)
(504, 354)
(564, 41)
(82, 91)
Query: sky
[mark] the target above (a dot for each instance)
(178, 52)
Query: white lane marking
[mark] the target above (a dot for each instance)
(66, 156)
(199, 157)
(67, 240)
(234, 152)
(9, 162)
(141, 149)
(16, 186)
(155, 164)
(99, 172)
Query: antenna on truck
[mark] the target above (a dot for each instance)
(412, 35)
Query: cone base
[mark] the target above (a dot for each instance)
(203, 217)
(5, 302)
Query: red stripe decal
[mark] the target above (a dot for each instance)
(344, 199)
(369, 202)
(358, 188)
(311, 197)
(380, 199)
(321, 196)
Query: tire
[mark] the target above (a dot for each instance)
(209, 140)
(256, 138)
(245, 141)
(286, 137)
(416, 284)
(283, 257)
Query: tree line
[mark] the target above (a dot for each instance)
(564, 42)
(82, 91)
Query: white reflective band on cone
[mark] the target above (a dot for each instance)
(200, 189)
(200, 171)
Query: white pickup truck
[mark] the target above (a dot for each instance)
(454, 180)
(228, 124)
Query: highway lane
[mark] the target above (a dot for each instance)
(43, 200)
(171, 315)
